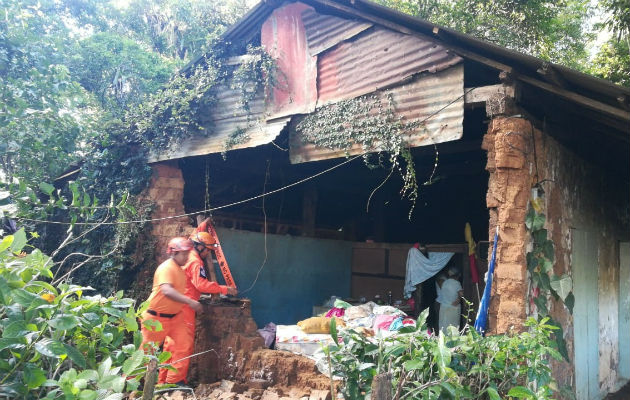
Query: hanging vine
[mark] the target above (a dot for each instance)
(372, 124)
(544, 282)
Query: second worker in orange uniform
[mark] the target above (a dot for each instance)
(196, 283)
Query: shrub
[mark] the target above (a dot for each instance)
(59, 342)
(456, 365)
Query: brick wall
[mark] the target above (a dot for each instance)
(166, 190)
(511, 175)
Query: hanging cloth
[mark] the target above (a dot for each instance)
(421, 268)
(481, 321)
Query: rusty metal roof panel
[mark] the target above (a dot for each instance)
(227, 116)
(377, 59)
(436, 100)
(284, 37)
(326, 31)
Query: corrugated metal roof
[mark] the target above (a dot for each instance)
(438, 97)
(225, 117)
(325, 31)
(375, 60)
(284, 37)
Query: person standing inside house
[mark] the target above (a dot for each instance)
(450, 300)
(166, 303)
(196, 283)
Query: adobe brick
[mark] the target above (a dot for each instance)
(510, 271)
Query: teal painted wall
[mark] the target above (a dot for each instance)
(299, 272)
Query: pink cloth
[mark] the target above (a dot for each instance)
(382, 322)
(335, 312)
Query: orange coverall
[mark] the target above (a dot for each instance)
(174, 330)
(196, 284)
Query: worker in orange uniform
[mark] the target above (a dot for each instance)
(196, 283)
(166, 303)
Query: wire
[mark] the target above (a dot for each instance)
(209, 210)
(265, 237)
(202, 211)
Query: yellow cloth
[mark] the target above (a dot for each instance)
(469, 239)
(318, 324)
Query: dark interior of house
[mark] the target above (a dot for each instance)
(353, 202)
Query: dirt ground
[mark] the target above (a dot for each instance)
(266, 375)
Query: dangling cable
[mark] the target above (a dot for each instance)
(207, 196)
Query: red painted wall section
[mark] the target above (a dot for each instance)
(284, 37)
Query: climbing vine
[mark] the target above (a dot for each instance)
(116, 170)
(372, 124)
(544, 282)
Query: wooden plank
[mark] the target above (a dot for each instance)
(578, 98)
(585, 314)
(479, 95)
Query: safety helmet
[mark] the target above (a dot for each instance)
(203, 238)
(178, 244)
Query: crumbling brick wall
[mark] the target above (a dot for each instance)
(507, 142)
(166, 190)
(229, 330)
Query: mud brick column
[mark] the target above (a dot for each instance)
(166, 190)
(230, 331)
(511, 174)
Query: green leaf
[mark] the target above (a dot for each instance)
(164, 357)
(493, 394)
(114, 382)
(133, 362)
(46, 188)
(76, 356)
(449, 388)
(548, 249)
(64, 322)
(521, 392)
(19, 241)
(50, 348)
(88, 394)
(442, 356)
(12, 343)
(540, 236)
(570, 302)
(33, 376)
(562, 285)
(15, 329)
(6, 243)
(88, 375)
(104, 367)
(532, 261)
(333, 330)
(541, 304)
(529, 218)
(412, 365)
(76, 196)
(44, 285)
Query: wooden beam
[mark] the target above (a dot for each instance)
(480, 59)
(550, 75)
(480, 95)
(578, 98)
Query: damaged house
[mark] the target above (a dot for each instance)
(489, 131)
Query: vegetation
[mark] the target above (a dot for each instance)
(88, 83)
(458, 365)
(62, 340)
